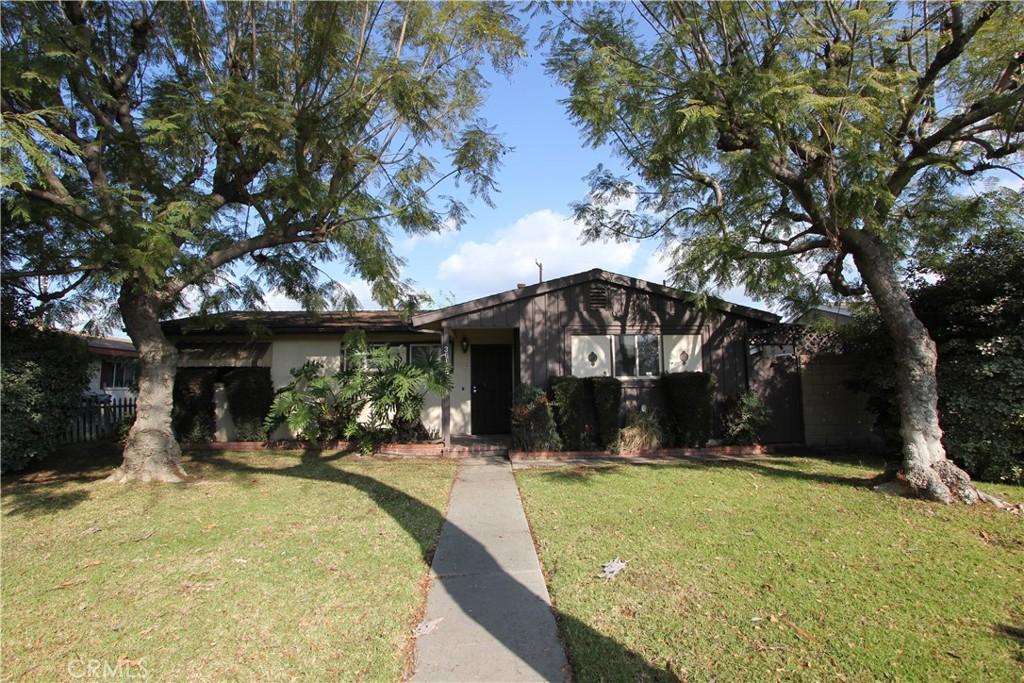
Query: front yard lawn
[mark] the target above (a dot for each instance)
(776, 569)
(269, 566)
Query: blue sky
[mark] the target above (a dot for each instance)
(531, 218)
(540, 178)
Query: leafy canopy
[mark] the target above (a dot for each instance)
(759, 135)
(220, 150)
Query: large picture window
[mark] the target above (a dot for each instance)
(634, 355)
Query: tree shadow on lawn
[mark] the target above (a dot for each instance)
(422, 522)
(770, 467)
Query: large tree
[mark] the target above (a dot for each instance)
(798, 146)
(156, 152)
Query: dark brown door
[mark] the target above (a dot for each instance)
(490, 372)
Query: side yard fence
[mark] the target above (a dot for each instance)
(97, 420)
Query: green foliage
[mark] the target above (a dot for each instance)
(533, 424)
(122, 428)
(369, 402)
(316, 407)
(574, 412)
(688, 396)
(396, 390)
(250, 392)
(760, 140)
(193, 418)
(643, 432)
(975, 314)
(151, 145)
(607, 393)
(44, 374)
(744, 418)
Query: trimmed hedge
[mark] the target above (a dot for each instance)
(193, 418)
(44, 374)
(688, 397)
(250, 391)
(607, 392)
(574, 412)
(533, 425)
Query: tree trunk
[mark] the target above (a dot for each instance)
(924, 464)
(151, 453)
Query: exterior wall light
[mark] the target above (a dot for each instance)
(464, 344)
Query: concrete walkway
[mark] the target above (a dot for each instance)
(487, 589)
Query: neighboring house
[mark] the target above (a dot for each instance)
(112, 367)
(594, 323)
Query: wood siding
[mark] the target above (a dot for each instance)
(547, 321)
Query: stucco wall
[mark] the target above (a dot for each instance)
(292, 352)
(462, 422)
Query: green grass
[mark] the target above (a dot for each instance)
(782, 569)
(269, 566)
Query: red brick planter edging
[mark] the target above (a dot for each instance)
(390, 450)
(706, 452)
(413, 450)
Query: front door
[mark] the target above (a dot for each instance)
(490, 372)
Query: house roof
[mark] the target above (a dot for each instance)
(111, 346)
(298, 322)
(428, 317)
(234, 322)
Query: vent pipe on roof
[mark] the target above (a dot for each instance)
(540, 270)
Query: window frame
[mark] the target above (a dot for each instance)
(613, 352)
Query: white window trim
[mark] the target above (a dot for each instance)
(613, 346)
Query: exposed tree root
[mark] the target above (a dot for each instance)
(943, 482)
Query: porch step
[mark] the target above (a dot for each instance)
(460, 451)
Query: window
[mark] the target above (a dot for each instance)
(637, 355)
(421, 354)
(634, 355)
(117, 374)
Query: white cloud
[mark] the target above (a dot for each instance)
(407, 244)
(479, 268)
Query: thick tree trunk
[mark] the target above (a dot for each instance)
(925, 466)
(151, 453)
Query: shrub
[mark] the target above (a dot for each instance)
(744, 417)
(607, 393)
(533, 425)
(574, 412)
(250, 391)
(317, 407)
(688, 396)
(121, 429)
(326, 408)
(44, 375)
(642, 432)
(193, 417)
